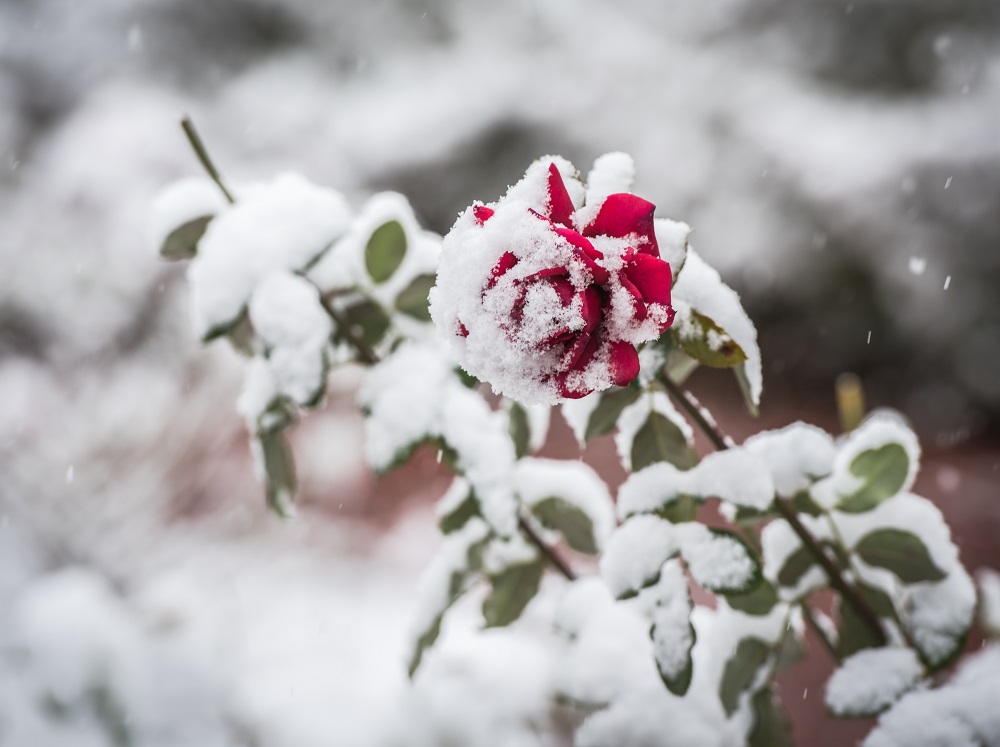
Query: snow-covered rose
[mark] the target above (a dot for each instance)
(546, 297)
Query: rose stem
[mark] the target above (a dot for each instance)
(837, 580)
(199, 149)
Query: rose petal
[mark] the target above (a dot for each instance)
(563, 288)
(503, 265)
(584, 251)
(548, 272)
(590, 308)
(568, 393)
(462, 330)
(651, 276)
(624, 363)
(563, 335)
(638, 306)
(482, 213)
(560, 204)
(623, 214)
(582, 351)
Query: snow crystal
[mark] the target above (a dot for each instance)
(636, 551)
(734, 475)
(715, 560)
(871, 680)
(281, 225)
(700, 288)
(635, 416)
(880, 428)
(182, 202)
(797, 455)
(671, 634)
(289, 319)
(573, 481)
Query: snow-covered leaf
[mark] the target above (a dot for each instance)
(705, 341)
(741, 670)
(901, 552)
(671, 631)
(512, 589)
(457, 507)
(660, 440)
(385, 250)
(569, 520)
(604, 417)
(367, 320)
(520, 430)
(279, 471)
(182, 242)
(883, 472)
(412, 300)
(869, 681)
(718, 559)
(636, 552)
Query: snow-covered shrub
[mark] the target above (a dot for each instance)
(566, 290)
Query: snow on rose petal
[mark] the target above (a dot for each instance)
(545, 300)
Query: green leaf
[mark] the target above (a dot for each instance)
(740, 670)
(803, 503)
(604, 418)
(678, 683)
(679, 365)
(182, 242)
(708, 343)
(385, 251)
(660, 440)
(513, 588)
(520, 431)
(740, 372)
(412, 300)
(771, 726)
(790, 651)
(903, 553)
(853, 633)
(368, 320)
(795, 566)
(569, 520)
(460, 515)
(757, 601)
(883, 471)
(681, 509)
(279, 472)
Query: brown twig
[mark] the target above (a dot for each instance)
(837, 581)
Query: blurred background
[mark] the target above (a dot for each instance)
(838, 161)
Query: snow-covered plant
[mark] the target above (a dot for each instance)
(571, 290)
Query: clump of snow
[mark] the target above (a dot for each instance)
(671, 633)
(672, 237)
(779, 542)
(879, 429)
(634, 417)
(716, 560)
(700, 288)
(635, 553)
(871, 680)
(290, 321)
(573, 481)
(182, 202)
(989, 601)
(939, 614)
(414, 396)
(577, 412)
(504, 553)
(959, 713)
(797, 455)
(735, 475)
(611, 173)
(281, 225)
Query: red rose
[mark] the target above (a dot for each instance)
(570, 295)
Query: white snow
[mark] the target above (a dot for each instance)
(871, 680)
(635, 553)
(700, 288)
(672, 238)
(573, 481)
(181, 202)
(796, 455)
(715, 560)
(989, 601)
(281, 225)
(734, 475)
(635, 416)
(671, 633)
(610, 174)
(577, 412)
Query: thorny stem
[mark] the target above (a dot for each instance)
(199, 149)
(788, 513)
